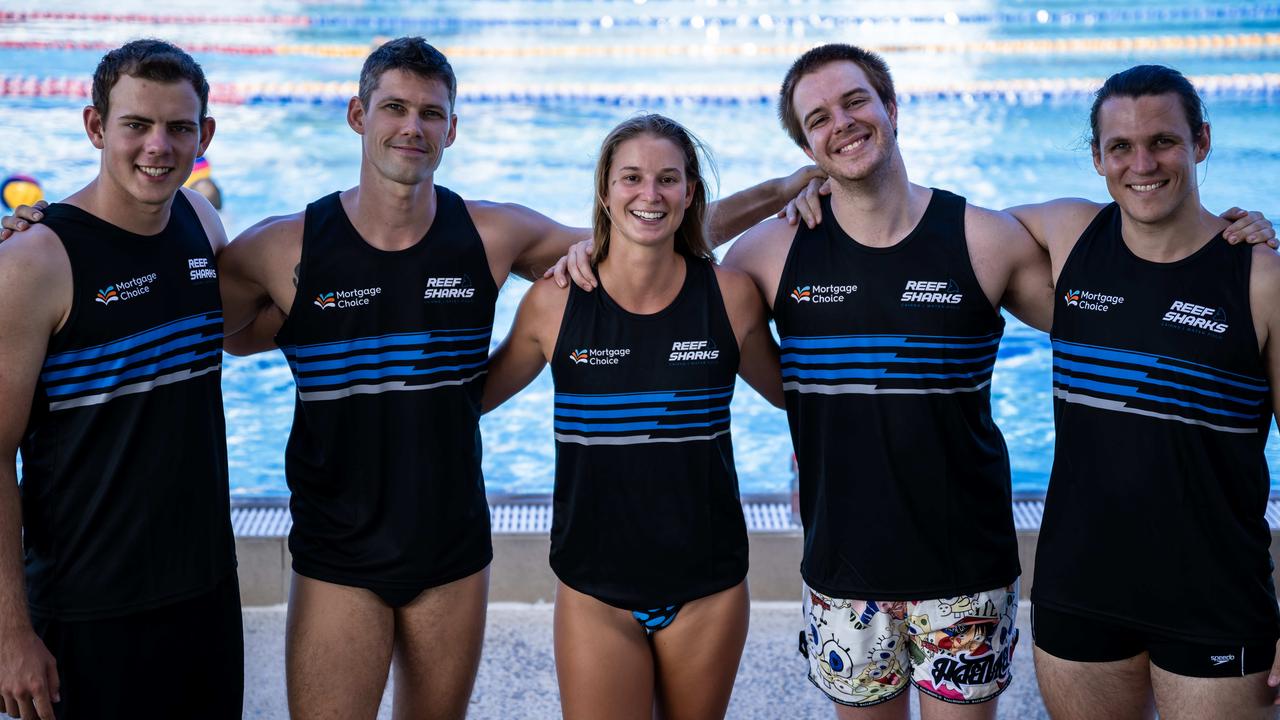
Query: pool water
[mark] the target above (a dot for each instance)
(525, 144)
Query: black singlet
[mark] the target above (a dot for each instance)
(646, 507)
(388, 350)
(1156, 503)
(124, 462)
(887, 356)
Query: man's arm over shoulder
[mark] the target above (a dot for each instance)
(758, 353)
(528, 346)
(761, 253)
(517, 239)
(36, 275)
(1011, 266)
(733, 215)
(256, 271)
(1057, 224)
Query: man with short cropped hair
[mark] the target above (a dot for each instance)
(110, 359)
(388, 292)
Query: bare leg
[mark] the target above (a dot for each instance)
(438, 638)
(697, 655)
(337, 651)
(1081, 690)
(1189, 698)
(931, 708)
(603, 661)
(895, 709)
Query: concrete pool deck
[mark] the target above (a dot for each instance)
(517, 670)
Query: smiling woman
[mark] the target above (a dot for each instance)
(997, 107)
(644, 373)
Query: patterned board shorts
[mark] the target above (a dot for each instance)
(958, 649)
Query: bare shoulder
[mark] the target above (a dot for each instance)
(1063, 219)
(502, 216)
(34, 266)
(735, 285)
(1264, 273)
(545, 298)
(276, 234)
(541, 311)
(32, 257)
(998, 223)
(269, 249)
(209, 218)
(763, 245)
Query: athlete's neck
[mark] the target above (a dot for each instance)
(880, 210)
(109, 203)
(389, 215)
(643, 280)
(1174, 237)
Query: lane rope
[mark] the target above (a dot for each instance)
(1033, 17)
(1046, 46)
(1028, 91)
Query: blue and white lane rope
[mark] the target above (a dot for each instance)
(1032, 91)
(662, 20)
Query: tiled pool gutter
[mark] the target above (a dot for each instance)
(521, 524)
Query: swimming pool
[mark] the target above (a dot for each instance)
(542, 82)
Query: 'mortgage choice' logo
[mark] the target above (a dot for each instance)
(125, 289)
(822, 293)
(598, 356)
(344, 299)
(1090, 300)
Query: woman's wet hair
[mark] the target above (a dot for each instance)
(690, 238)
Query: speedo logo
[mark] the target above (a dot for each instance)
(599, 356)
(931, 292)
(449, 288)
(1221, 659)
(692, 350)
(125, 289)
(343, 299)
(1196, 317)
(200, 270)
(822, 293)
(1090, 300)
